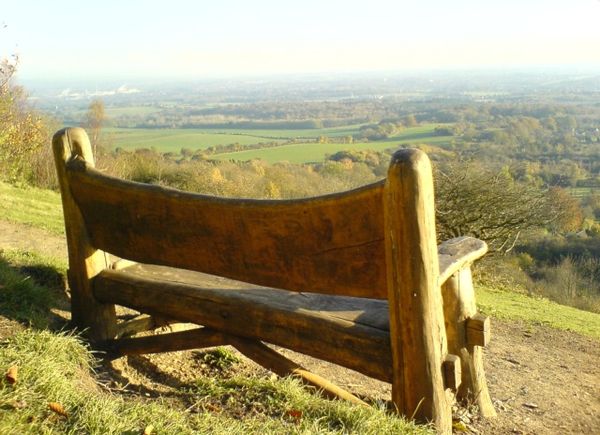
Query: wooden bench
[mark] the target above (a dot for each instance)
(353, 278)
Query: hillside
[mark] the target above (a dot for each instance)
(542, 364)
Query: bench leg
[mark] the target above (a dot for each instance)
(467, 333)
(97, 320)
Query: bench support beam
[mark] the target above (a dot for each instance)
(467, 331)
(98, 320)
(418, 338)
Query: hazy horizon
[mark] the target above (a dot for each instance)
(144, 40)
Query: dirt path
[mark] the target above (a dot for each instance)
(542, 381)
(25, 237)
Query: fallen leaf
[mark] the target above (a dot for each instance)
(11, 375)
(148, 430)
(294, 413)
(57, 408)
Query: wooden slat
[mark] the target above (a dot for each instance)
(276, 316)
(417, 331)
(331, 244)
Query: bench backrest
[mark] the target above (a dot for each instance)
(331, 244)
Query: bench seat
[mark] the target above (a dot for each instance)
(339, 329)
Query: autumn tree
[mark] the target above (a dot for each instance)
(23, 131)
(94, 121)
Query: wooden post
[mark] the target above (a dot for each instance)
(97, 319)
(466, 331)
(417, 333)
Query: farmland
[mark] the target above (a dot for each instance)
(173, 139)
(306, 150)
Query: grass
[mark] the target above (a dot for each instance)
(36, 207)
(30, 286)
(509, 305)
(57, 368)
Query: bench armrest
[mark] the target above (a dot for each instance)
(455, 254)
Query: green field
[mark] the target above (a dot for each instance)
(172, 140)
(314, 152)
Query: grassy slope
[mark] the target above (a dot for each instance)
(37, 207)
(510, 305)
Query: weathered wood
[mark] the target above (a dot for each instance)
(418, 338)
(478, 330)
(140, 324)
(174, 341)
(331, 244)
(316, 325)
(277, 363)
(122, 263)
(97, 320)
(455, 254)
(459, 306)
(452, 372)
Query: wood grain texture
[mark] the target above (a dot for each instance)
(452, 372)
(459, 306)
(478, 330)
(98, 320)
(331, 244)
(417, 333)
(332, 328)
(458, 253)
(174, 341)
(140, 324)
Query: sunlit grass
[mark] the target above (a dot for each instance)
(28, 205)
(504, 304)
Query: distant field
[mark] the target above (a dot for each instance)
(165, 140)
(582, 192)
(173, 139)
(314, 152)
(122, 111)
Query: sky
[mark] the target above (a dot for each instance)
(65, 39)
